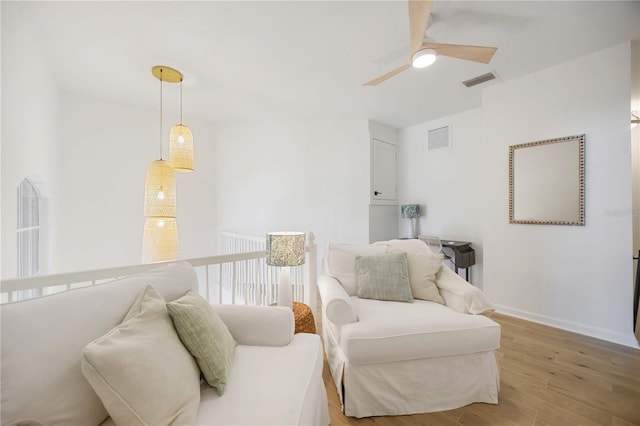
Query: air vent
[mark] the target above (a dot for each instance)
(439, 138)
(479, 79)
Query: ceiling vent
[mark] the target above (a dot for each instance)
(479, 79)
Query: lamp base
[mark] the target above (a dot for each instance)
(285, 296)
(412, 229)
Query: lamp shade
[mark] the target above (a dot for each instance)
(410, 211)
(181, 148)
(285, 248)
(160, 190)
(160, 240)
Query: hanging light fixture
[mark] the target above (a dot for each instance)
(423, 58)
(160, 190)
(160, 237)
(181, 144)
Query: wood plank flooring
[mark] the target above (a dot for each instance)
(548, 377)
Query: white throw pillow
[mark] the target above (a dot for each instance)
(140, 369)
(410, 245)
(423, 268)
(340, 262)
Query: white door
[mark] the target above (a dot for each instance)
(383, 170)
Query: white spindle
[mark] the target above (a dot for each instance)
(206, 291)
(220, 283)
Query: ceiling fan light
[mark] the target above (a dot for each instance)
(423, 58)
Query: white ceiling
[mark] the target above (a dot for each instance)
(307, 60)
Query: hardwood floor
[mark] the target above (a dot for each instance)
(547, 377)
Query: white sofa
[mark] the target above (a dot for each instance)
(275, 376)
(394, 358)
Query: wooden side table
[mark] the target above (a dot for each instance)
(304, 318)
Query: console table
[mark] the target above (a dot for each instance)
(463, 256)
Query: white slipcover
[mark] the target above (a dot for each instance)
(42, 340)
(396, 358)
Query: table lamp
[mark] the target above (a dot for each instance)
(411, 212)
(285, 249)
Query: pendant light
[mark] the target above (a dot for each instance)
(160, 239)
(160, 190)
(160, 236)
(181, 144)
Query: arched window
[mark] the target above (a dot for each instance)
(32, 236)
(28, 230)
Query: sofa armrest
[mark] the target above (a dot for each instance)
(461, 296)
(258, 325)
(336, 303)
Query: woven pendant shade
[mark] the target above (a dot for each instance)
(160, 190)
(160, 240)
(181, 148)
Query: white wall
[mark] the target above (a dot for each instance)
(29, 128)
(302, 176)
(105, 149)
(577, 278)
(446, 182)
(93, 155)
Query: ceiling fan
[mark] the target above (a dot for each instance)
(424, 53)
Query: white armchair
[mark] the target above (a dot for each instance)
(393, 358)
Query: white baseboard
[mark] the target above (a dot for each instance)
(598, 333)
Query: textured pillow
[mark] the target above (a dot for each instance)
(205, 335)
(140, 369)
(384, 278)
(340, 262)
(422, 275)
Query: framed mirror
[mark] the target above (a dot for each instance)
(546, 182)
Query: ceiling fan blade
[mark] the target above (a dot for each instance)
(419, 11)
(470, 53)
(388, 75)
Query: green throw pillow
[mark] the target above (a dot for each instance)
(384, 278)
(205, 335)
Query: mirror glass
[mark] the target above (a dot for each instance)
(546, 182)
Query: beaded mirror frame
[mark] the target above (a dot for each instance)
(546, 182)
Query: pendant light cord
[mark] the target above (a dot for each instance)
(180, 101)
(160, 113)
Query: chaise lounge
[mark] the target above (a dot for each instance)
(420, 349)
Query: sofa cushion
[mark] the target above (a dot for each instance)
(57, 328)
(205, 335)
(422, 329)
(340, 262)
(271, 385)
(140, 369)
(384, 277)
(409, 245)
(423, 268)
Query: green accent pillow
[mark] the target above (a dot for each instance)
(384, 277)
(205, 335)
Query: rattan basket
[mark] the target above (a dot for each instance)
(304, 318)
